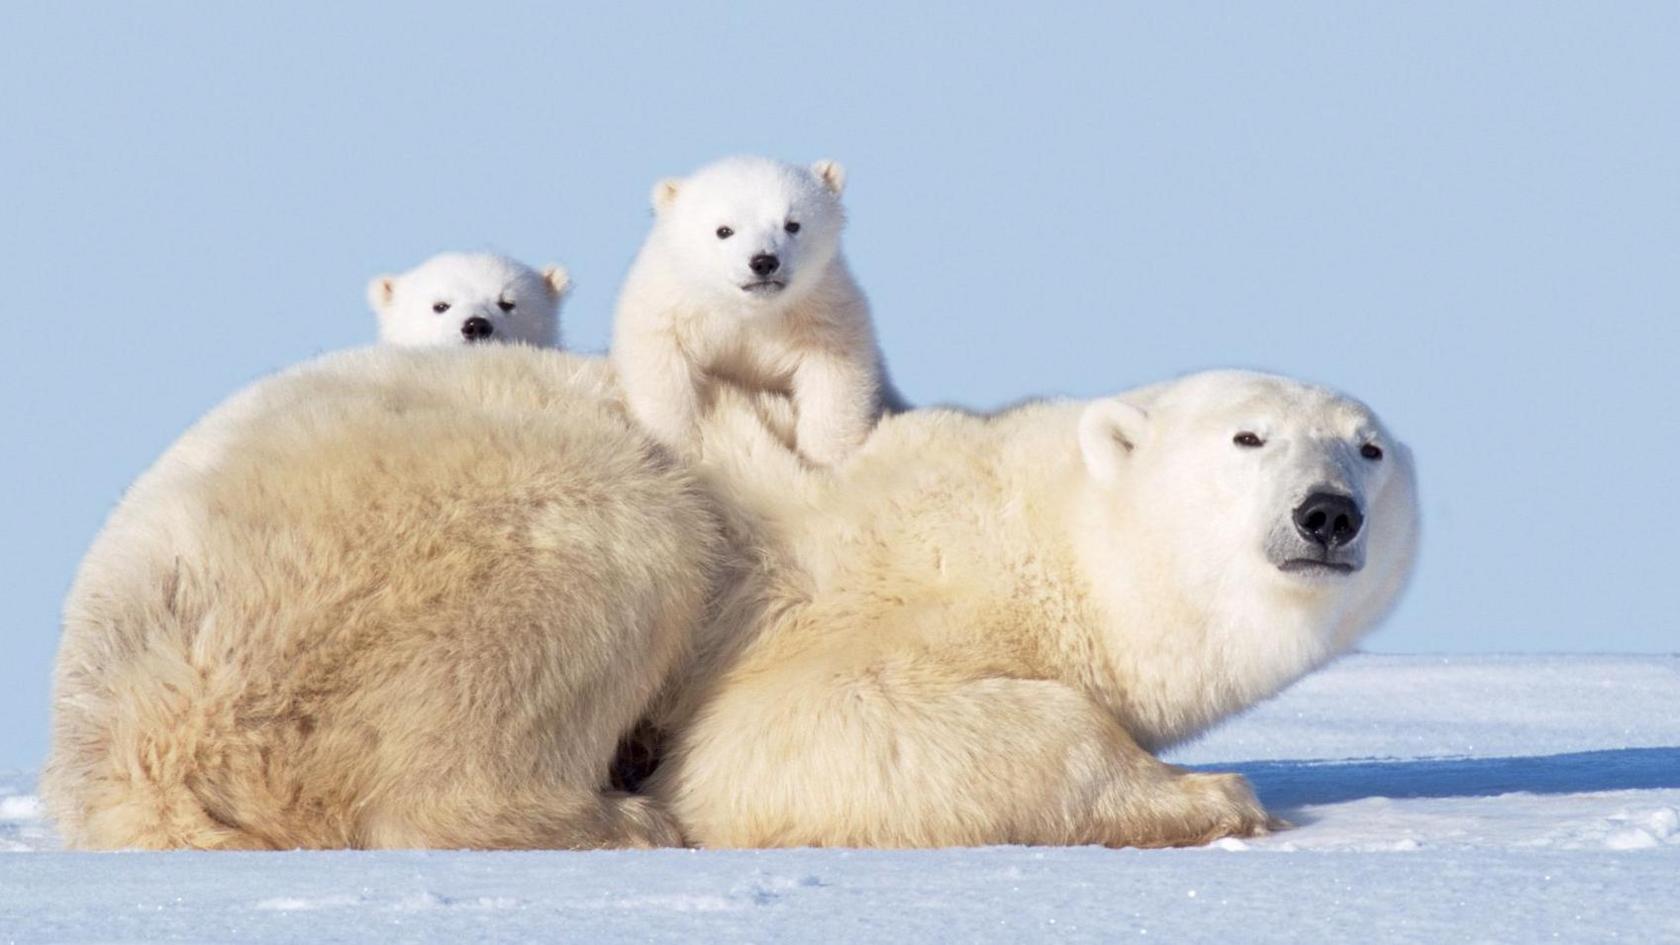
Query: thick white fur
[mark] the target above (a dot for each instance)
(979, 629)
(392, 598)
(685, 320)
(520, 303)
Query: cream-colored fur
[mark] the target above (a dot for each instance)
(692, 311)
(979, 629)
(393, 598)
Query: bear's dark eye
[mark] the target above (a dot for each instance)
(1371, 451)
(505, 305)
(440, 307)
(725, 232)
(1248, 440)
(791, 226)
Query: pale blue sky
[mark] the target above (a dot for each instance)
(1466, 214)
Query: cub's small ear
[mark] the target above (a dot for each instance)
(380, 292)
(558, 279)
(1110, 430)
(664, 193)
(831, 174)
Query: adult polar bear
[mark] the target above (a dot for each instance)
(413, 598)
(979, 629)
(392, 598)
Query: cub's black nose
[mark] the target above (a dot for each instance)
(477, 329)
(1329, 520)
(764, 264)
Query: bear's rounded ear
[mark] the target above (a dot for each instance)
(380, 292)
(664, 193)
(1110, 430)
(558, 279)
(831, 174)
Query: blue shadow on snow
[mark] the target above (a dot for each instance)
(1283, 784)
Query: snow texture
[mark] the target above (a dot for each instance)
(1464, 799)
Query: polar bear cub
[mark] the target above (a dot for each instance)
(462, 298)
(980, 629)
(391, 598)
(742, 280)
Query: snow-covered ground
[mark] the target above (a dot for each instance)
(1463, 799)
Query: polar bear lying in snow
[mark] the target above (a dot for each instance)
(978, 630)
(400, 598)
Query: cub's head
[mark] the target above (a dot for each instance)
(751, 231)
(464, 298)
(1260, 493)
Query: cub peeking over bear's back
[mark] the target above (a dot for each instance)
(462, 298)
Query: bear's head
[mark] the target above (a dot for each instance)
(1287, 511)
(750, 231)
(463, 298)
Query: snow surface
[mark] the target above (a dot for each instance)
(1463, 799)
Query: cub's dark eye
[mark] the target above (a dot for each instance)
(1371, 451)
(1248, 440)
(725, 232)
(791, 226)
(505, 305)
(440, 307)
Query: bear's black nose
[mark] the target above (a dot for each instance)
(476, 328)
(764, 264)
(1329, 520)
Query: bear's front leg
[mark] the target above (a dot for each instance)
(661, 389)
(837, 403)
(1182, 809)
(898, 753)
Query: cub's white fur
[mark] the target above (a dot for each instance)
(694, 311)
(482, 297)
(392, 598)
(979, 629)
